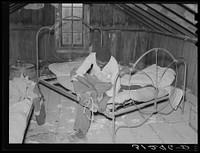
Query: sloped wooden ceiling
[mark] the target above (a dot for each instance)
(15, 6)
(178, 19)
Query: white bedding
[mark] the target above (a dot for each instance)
(62, 71)
(142, 94)
(141, 79)
(148, 93)
(21, 95)
(65, 81)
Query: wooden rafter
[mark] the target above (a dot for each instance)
(171, 10)
(184, 30)
(143, 19)
(188, 8)
(156, 19)
(15, 6)
(135, 17)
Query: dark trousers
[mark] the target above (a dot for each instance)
(82, 121)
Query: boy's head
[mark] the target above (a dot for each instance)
(103, 54)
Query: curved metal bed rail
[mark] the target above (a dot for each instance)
(133, 70)
(181, 59)
(52, 27)
(57, 22)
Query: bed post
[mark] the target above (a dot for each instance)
(113, 110)
(184, 85)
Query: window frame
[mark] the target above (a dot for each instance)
(58, 34)
(72, 26)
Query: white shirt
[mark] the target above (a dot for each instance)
(107, 74)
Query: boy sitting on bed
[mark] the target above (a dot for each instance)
(93, 83)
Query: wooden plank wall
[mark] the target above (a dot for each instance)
(24, 25)
(180, 48)
(129, 46)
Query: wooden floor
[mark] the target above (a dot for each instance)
(160, 129)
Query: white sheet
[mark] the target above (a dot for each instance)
(141, 79)
(175, 96)
(64, 69)
(141, 95)
(148, 93)
(65, 81)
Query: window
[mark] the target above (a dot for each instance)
(72, 29)
(70, 33)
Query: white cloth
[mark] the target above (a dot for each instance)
(148, 76)
(142, 95)
(64, 69)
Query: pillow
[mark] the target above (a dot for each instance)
(147, 76)
(64, 69)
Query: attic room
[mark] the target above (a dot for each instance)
(123, 73)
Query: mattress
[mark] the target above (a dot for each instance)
(152, 75)
(144, 78)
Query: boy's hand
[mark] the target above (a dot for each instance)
(72, 72)
(103, 104)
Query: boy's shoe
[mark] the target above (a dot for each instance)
(78, 136)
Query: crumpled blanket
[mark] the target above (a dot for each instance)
(148, 76)
(20, 89)
(21, 95)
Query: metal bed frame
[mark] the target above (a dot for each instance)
(54, 85)
(115, 113)
(66, 92)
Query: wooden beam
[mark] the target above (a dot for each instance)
(61, 90)
(143, 19)
(15, 7)
(172, 24)
(181, 20)
(135, 17)
(167, 7)
(181, 37)
(155, 18)
(177, 26)
(185, 6)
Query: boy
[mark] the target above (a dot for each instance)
(98, 84)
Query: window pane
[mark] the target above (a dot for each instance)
(66, 26)
(66, 12)
(77, 12)
(77, 26)
(77, 5)
(66, 38)
(66, 4)
(77, 38)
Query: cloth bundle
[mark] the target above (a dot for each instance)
(90, 91)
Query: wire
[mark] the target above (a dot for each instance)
(51, 50)
(157, 111)
(134, 126)
(174, 122)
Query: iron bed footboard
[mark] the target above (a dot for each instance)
(131, 71)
